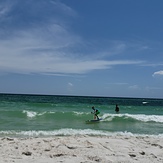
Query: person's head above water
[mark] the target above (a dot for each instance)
(93, 107)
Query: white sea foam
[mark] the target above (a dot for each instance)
(78, 113)
(71, 132)
(146, 118)
(108, 117)
(144, 102)
(30, 114)
(139, 117)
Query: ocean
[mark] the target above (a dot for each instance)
(48, 115)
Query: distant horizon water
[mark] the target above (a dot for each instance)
(100, 96)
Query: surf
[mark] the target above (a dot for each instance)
(133, 117)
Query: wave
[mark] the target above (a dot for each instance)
(144, 102)
(133, 117)
(32, 114)
(105, 117)
(70, 132)
(82, 115)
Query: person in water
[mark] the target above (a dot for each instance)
(95, 112)
(117, 108)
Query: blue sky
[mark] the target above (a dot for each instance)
(110, 48)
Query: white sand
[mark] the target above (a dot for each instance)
(82, 149)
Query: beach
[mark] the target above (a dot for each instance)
(55, 129)
(82, 149)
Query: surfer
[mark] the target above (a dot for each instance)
(117, 109)
(95, 112)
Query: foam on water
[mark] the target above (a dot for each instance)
(139, 117)
(30, 114)
(146, 118)
(71, 132)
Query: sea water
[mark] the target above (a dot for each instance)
(47, 115)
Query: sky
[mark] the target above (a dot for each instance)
(109, 48)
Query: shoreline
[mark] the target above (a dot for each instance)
(82, 149)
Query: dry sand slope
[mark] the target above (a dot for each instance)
(82, 149)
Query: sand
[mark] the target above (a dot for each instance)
(82, 149)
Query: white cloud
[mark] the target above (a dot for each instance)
(158, 73)
(134, 87)
(70, 87)
(48, 46)
(152, 88)
(3, 11)
(49, 52)
(70, 84)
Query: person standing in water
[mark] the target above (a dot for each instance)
(95, 112)
(117, 108)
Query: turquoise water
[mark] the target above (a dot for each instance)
(40, 115)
